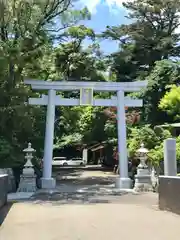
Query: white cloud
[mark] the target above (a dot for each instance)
(117, 3)
(92, 4)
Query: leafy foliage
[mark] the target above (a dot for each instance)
(164, 73)
(156, 155)
(26, 32)
(145, 134)
(171, 102)
(151, 36)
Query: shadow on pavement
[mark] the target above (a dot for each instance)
(85, 168)
(63, 173)
(88, 181)
(4, 212)
(61, 198)
(89, 190)
(148, 200)
(74, 187)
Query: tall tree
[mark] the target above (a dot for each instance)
(26, 26)
(76, 62)
(164, 73)
(26, 32)
(151, 36)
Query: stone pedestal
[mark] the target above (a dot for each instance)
(27, 180)
(143, 179)
(123, 183)
(48, 183)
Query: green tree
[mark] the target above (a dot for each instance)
(81, 125)
(76, 62)
(164, 73)
(149, 37)
(27, 29)
(170, 103)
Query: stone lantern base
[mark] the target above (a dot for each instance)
(27, 181)
(143, 180)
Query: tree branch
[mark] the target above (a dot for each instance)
(49, 15)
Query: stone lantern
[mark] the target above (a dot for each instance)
(143, 177)
(28, 178)
(29, 156)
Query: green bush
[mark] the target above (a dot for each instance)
(10, 155)
(6, 153)
(156, 155)
(152, 139)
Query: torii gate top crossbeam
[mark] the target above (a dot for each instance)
(96, 86)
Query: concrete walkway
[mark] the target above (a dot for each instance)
(126, 217)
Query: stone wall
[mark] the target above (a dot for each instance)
(11, 180)
(169, 193)
(3, 189)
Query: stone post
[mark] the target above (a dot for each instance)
(85, 155)
(170, 164)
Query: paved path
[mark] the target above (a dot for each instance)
(127, 217)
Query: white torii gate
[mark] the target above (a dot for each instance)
(86, 98)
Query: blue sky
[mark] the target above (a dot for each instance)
(105, 12)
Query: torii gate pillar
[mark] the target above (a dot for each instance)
(47, 182)
(124, 182)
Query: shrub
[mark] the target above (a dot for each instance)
(152, 139)
(156, 155)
